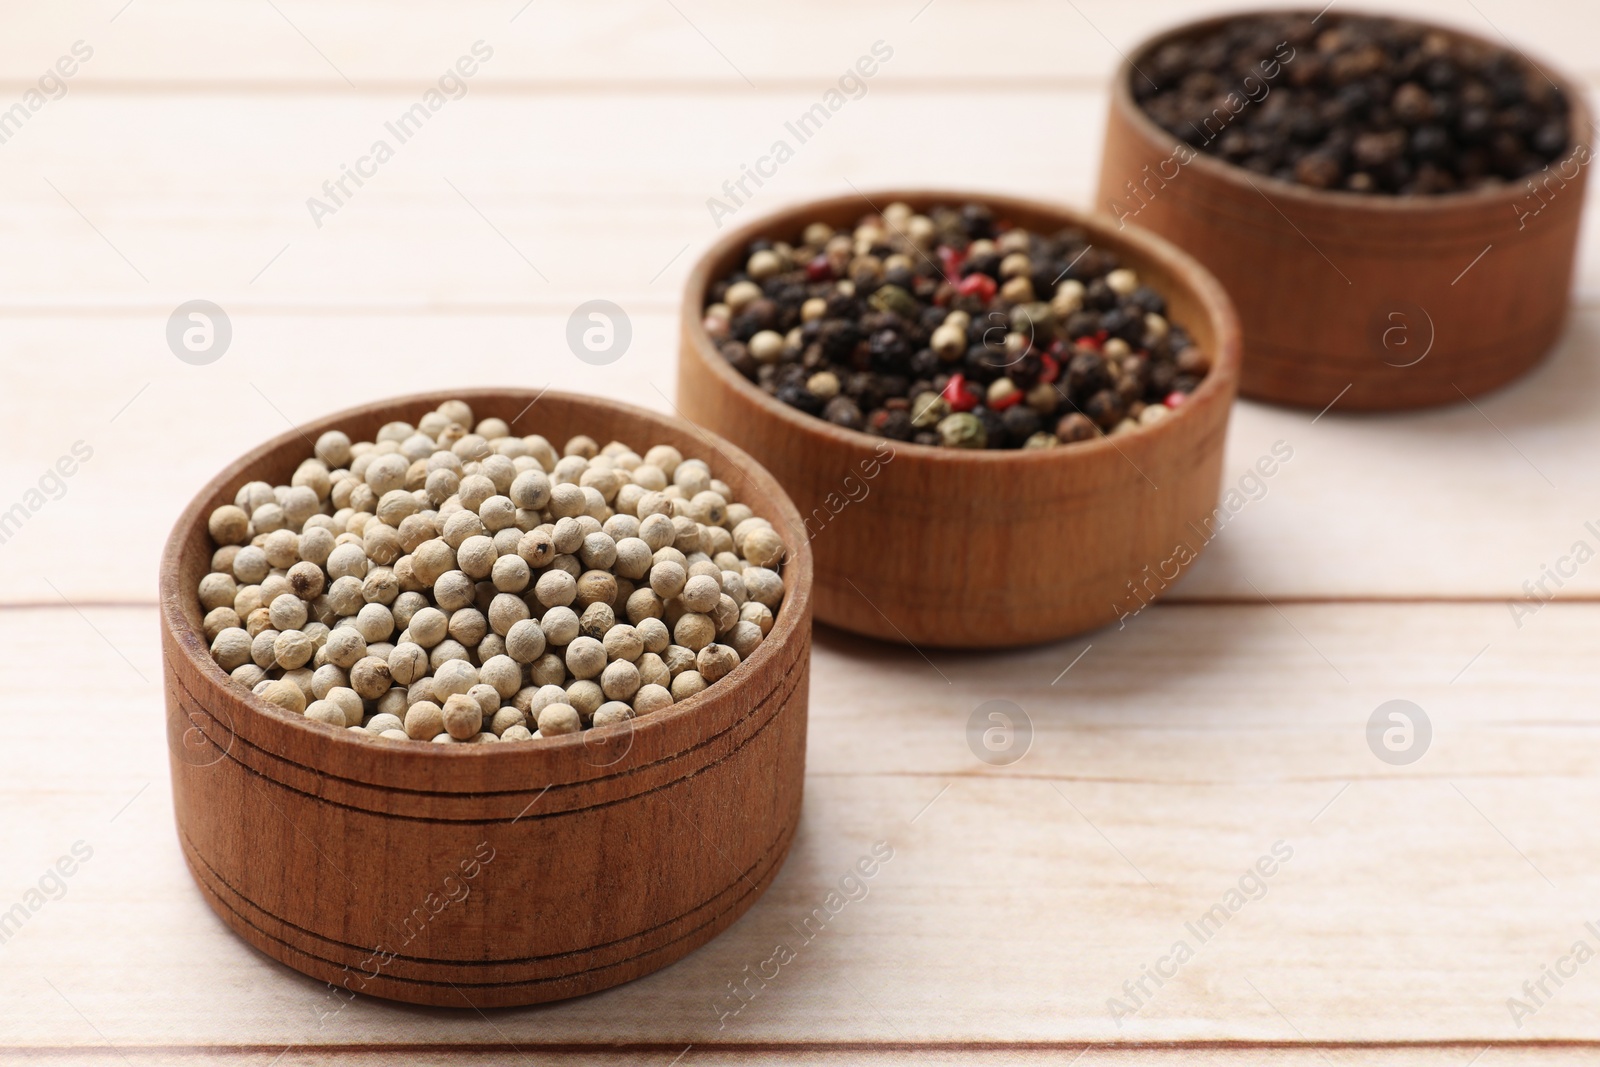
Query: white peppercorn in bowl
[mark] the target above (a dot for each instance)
(972, 548)
(598, 826)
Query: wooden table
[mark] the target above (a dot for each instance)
(1386, 561)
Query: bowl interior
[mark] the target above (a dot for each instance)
(1385, 203)
(1195, 300)
(557, 416)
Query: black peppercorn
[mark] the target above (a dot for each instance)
(1367, 104)
(842, 411)
(1020, 422)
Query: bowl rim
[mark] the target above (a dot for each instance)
(192, 645)
(1379, 205)
(1219, 385)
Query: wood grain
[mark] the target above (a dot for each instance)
(1181, 748)
(942, 547)
(1382, 302)
(482, 875)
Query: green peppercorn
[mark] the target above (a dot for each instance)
(895, 299)
(928, 409)
(962, 430)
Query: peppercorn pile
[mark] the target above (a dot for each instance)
(954, 328)
(1367, 105)
(454, 585)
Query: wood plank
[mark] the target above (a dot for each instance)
(1020, 897)
(644, 43)
(1368, 507)
(499, 203)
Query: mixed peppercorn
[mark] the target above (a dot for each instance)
(952, 327)
(1362, 104)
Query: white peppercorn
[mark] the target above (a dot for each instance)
(463, 716)
(436, 548)
(715, 662)
(374, 622)
(262, 651)
(586, 695)
(453, 591)
(424, 721)
(247, 675)
(503, 673)
(384, 721)
(286, 695)
(487, 697)
(218, 620)
(231, 648)
(326, 712)
(408, 662)
(505, 719)
(548, 669)
(687, 685)
(620, 680)
(694, 631)
(229, 525)
(623, 642)
(557, 719)
(763, 547)
(652, 697)
(345, 646)
(585, 657)
(455, 676)
(700, 593)
(445, 651)
(468, 626)
(218, 590)
(370, 677)
(250, 566)
(292, 648)
(611, 713)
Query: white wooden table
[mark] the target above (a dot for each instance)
(1382, 563)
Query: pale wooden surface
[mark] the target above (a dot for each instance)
(1166, 760)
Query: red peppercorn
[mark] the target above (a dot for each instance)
(1175, 399)
(1052, 369)
(957, 395)
(951, 258)
(819, 270)
(1010, 399)
(977, 284)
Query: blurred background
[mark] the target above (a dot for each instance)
(225, 152)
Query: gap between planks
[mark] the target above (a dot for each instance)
(754, 1047)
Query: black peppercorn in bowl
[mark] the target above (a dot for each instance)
(950, 545)
(1393, 206)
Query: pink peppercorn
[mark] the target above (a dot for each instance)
(957, 395)
(951, 259)
(977, 284)
(1175, 399)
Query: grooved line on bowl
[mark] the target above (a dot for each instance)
(767, 864)
(793, 683)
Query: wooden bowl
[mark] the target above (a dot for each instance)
(946, 547)
(486, 875)
(1402, 301)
